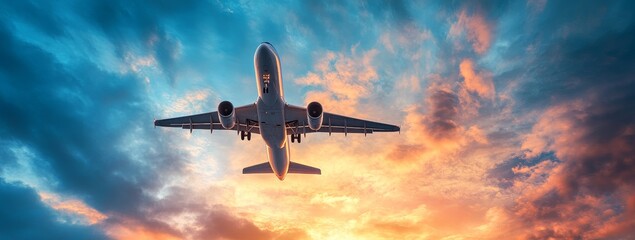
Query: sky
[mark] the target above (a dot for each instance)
(517, 119)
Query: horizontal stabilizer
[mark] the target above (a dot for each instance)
(293, 168)
(303, 169)
(258, 168)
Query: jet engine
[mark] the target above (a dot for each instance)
(314, 115)
(226, 114)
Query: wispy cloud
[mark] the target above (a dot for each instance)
(512, 114)
(474, 27)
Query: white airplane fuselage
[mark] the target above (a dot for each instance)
(270, 106)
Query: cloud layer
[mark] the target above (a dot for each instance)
(512, 114)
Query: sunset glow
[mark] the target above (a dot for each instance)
(517, 120)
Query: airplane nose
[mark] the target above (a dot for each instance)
(263, 53)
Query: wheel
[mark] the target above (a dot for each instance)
(295, 137)
(249, 136)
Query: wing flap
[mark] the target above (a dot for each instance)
(325, 129)
(242, 127)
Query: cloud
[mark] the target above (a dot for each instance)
(440, 125)
(220, 224)
(478, 31)
(585, 192)
(518, 116)
(478, 82)
(77, 147)
(341, 80)
(86, 214)
(587, 127)
(24, 216)
(191, 102)
(443, 114)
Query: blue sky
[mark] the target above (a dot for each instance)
(513, 114)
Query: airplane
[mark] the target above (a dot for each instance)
(274, 119)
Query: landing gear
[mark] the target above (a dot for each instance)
(244, 134)
(296, 136)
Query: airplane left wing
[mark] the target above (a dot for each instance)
(246, 120)
(296, 118)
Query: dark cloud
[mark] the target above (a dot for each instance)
(24, 216)
(74, 118)
(503, 174)
(578, 64)
(605, 159)
(442, 113)
(597, 172)
(220, 224)
(214, 222)
(172, 32)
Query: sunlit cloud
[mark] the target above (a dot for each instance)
(516, 120)
(478, 82)
(341, 80)
(478, 32)
(74, 207)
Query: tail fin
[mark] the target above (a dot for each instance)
(303, 169)
(293, 168)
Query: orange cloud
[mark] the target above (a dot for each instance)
(586, 194)
(341, 79)
(477, 30)
(438, 126)
(74, 207)
(129, 229)
(478, 82)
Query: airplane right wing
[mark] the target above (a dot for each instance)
(296, 118)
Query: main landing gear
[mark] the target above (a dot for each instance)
(296, 136)
(244, 134)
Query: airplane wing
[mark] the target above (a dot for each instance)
(296, 118)
(246, 117)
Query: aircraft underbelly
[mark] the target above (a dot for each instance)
(273, 132)
(279, 160)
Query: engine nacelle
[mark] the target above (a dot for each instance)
(314, 115)
(226, 114)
